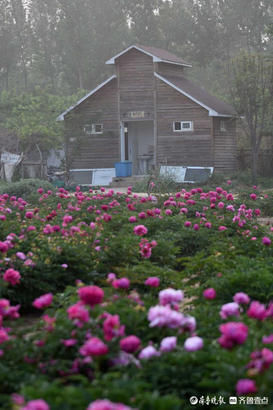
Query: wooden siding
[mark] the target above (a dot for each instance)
(225, 146)
(136, 83)
(95, 150)
(170, 69)
(182, 148)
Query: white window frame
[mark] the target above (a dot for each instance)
(93, 128)
(223, 126)
(181, 125)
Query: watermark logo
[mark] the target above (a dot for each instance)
(193, 400)
(232, 400)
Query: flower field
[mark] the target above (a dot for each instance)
(117, 301)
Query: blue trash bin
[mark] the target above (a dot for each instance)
(123, 169)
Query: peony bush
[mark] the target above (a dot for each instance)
(117, 301)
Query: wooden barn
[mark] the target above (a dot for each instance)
(149, 113)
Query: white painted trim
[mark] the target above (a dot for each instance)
(183, 129)
(212, 113)
(80, 170)
(189, 166)
(122, 142)
(61, 116)
(155, 58)
(93, 129)
(90, 169)
(222, 115)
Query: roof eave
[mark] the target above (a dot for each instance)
(61, 116)
(175, 63)
(213, 113)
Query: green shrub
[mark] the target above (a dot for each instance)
(26, 188)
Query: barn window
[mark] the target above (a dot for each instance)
(93, 129)
(180, 126)
(223, 125)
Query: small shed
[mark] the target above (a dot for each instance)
(148, 112)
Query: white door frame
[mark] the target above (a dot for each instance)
(122, 142)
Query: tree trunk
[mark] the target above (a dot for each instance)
(80, 78)
(41, 163)
(254, 164)
(7, 79)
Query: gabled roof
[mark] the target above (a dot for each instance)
(61, 116)
(158, 55)
(216, 108)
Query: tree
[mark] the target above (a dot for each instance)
(32, 116)
(46, 62)
(252, 92)
(8, 45)
(22, 34)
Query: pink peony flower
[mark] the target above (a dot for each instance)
(232, 333)
(153, 281)
(110, 277)
(112, 327)
(241, 298)
(67, 219)
(122, 283)
(3, 336)
(4, 247)
(169, 296)
(268, 339)
(43, 301)
(164, 316)
(94, 347)
(21, 255)
(168, 344)
(189, 324)
(69, 342)
(230, 309)
(50, 323)
(12, 276)
(193, 343)
(209, 293)
(132, 219)
(222, 228)
(17, 399)
(130, 344)
(36, 405)
(187, 224)
(257, 311)
(91, 295)
(107, 405)
(78, 312)
(140, 230)
(253, 196)
(148, 352)
(184, 210)
(266, 241)
(260, 360)
(245, 386)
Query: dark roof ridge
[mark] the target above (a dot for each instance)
(158, 55)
